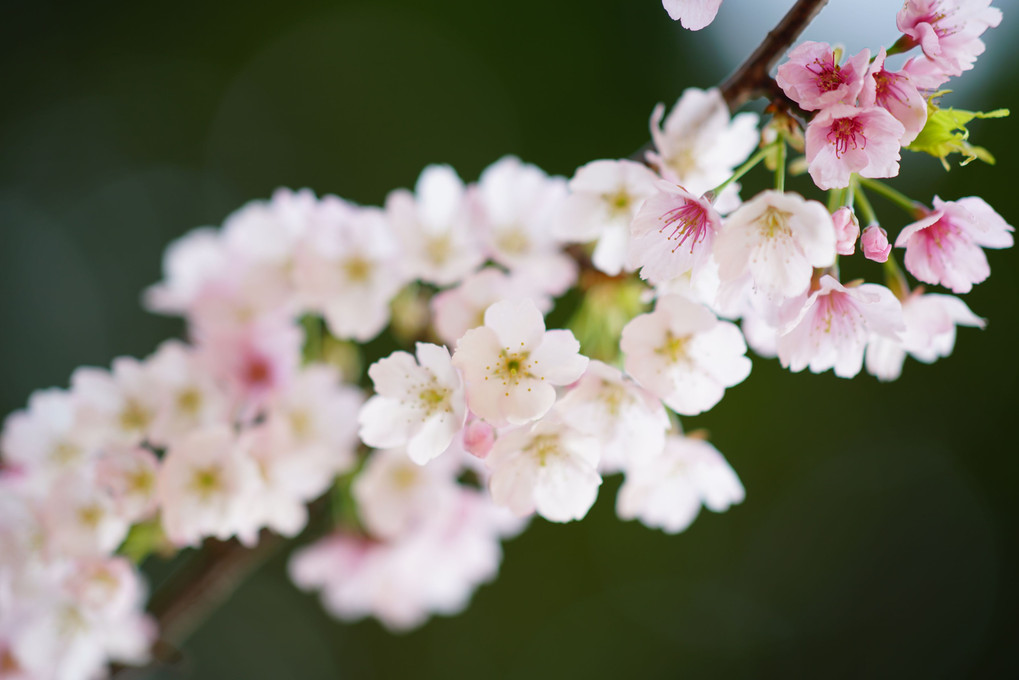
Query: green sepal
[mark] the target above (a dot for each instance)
(945, 133)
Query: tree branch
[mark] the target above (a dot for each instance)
(751, 78)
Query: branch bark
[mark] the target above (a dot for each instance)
(752, 78)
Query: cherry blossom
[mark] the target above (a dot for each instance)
(204, 486)
(672, 234)
(930, 323)
(946, 246)
(684, 355)
(699, 144)
(843, 139)
(833, 325)
(895, 92)
(626, 420)
(692, 14)
(518, 206)
(394, 494)
(548, 468)
(874, 243)
(419, 404)
(666, 491)
(461, 308)
(118, 405)
(813, 78)
(604, 197)
(349, 268)
(511, 364)
(433, 225)
(847, 231)
(948, 31)
(778, 238)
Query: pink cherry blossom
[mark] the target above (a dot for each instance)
(189, 264)
(684, 355)
(815, 80)
(948, 31)
(834, 324)
(604, 197)
(895, 92)
(478, 438)
(666, 491)
(692, 14)
(874, 242)
(672, 234)
(930, 323)
(778, 238)
(511, 364)
(252, 362)
(847, 231)
(419, 403)
(844, 139)
(946, 246)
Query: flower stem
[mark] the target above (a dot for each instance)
(897, 197)
(780, 154)
(866, 208)
(743, 169)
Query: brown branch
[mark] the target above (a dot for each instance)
(752, 78)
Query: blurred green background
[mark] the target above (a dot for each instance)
(878, 537)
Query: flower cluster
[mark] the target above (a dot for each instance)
(493, 417)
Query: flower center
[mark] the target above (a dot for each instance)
(688, 222)
(774, 222)
(846, 131)
(829, 75)
(674, 347)
(189, 401)
(206, 481)
(542, 447)
(134, 417)
(357, 269)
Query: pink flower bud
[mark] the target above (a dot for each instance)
(847, 230)
(478, 438)
(875, 244)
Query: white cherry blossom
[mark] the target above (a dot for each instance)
(205, 485)
(626, 419)
(684, 355)
(434, 227)
(419, 403)
(511, 365)
(666, 491)
(548, 467)
(604, 198)
(778, 238)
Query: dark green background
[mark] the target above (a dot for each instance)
(878, 537)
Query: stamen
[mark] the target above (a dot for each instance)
(688, 220)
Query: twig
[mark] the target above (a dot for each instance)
(751, 79)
